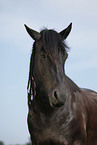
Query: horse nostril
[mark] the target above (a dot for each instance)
(56, 94)
(56, 101)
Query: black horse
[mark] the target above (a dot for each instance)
(60, 113)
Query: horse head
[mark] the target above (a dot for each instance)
(47, 64)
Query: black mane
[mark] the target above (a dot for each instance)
(52, 40)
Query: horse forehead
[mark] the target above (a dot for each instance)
(52, 49)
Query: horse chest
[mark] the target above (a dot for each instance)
(54, 128)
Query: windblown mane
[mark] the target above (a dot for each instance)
(30, 86)
(52, 40)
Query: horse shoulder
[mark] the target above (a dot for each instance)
(91, 116)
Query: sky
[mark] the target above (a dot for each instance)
(16, 46)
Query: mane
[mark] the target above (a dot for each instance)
(30, 85)
(52, 42)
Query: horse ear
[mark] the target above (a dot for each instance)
(35, 35)
(66, 31)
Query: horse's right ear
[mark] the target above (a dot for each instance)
(66, 32)
(35, 35)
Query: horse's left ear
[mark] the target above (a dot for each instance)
(34, 34)
(66, 32)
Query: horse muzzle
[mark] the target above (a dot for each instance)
(57, 98)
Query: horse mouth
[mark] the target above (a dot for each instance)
(57, 105)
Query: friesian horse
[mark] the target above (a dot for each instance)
(60, 113)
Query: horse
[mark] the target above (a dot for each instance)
(60, 112)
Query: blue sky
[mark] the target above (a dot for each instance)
(15, 50)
